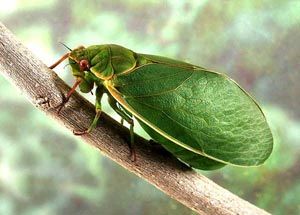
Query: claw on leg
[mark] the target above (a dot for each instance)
(61, 105)
(66, 99)
(79, 133)
(92, 126)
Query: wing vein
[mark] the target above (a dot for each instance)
(163, 92)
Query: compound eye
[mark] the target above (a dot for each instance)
(84, 65)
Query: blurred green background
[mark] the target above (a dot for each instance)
(44, 169)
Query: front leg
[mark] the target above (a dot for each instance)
(99, 94)
(66, 99)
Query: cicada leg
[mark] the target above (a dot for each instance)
(66, 99)
(128, 118)
(65, 56)
(98, 109)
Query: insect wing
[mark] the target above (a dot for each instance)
(204, 112)
(192, 159)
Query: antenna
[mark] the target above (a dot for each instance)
(65, 46)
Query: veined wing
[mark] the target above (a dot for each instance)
(204, 112)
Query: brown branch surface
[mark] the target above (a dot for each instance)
(45, 90)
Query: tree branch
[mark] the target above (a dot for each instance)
(45, 90)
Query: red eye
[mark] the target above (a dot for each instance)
(84, 65)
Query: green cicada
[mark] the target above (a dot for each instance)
(202, 117)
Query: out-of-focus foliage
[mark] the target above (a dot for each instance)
(45, 170)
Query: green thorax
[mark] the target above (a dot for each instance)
(104, 60)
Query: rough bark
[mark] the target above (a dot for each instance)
(45, 90)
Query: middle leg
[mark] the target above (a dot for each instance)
(128, 118)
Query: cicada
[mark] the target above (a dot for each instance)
(202, 117)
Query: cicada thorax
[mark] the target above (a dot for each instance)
(109, 60)
(104, 61)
